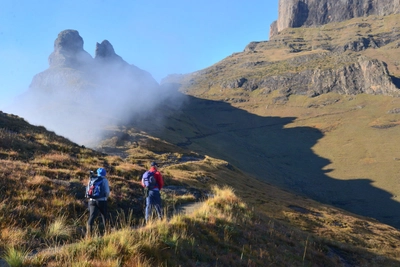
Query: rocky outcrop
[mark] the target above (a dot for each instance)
(298, 13)
(68, 51)
(364, 76)
(105, 51)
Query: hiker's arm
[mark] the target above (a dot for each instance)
(143, 180)
(87, 189)
(160, 181)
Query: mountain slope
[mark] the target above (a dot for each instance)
(303, 112)
(44, 190)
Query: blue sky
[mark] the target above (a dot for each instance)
(161, 37)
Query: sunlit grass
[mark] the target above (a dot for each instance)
(110, 251)
(146, 243)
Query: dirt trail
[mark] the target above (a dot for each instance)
(188, 208)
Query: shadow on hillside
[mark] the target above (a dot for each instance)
(396, 81)
(270, 149)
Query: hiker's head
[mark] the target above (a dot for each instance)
(101, 172)
(154, 164)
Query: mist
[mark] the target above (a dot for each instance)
(82, 98)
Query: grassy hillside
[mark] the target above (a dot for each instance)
(246, 222)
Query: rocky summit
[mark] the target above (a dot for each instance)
(74, 69)
(68, 50)
(105, 51)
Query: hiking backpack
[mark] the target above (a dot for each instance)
(149, 180)
(96, 188)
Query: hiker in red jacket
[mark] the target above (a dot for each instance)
(153, 182)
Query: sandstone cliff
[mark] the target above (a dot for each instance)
(298, 13)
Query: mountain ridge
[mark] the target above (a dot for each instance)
(337, 57)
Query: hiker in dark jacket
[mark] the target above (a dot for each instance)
(153, 198)
(97, 202)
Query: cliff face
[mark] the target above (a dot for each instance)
(297, 13)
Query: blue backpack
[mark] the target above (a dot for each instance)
(149, 180)
(96, 188)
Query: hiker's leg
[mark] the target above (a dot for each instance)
(157, 204)
(148, 209)
(93, 214)
(103, 211)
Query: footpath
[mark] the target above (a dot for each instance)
(188, 208)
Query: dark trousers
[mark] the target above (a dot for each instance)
(96, 207)
(153, 200)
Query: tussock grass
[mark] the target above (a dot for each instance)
(15, 257)
(59, 230)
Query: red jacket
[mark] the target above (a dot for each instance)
(158, 176)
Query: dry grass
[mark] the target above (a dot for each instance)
(59, 230)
